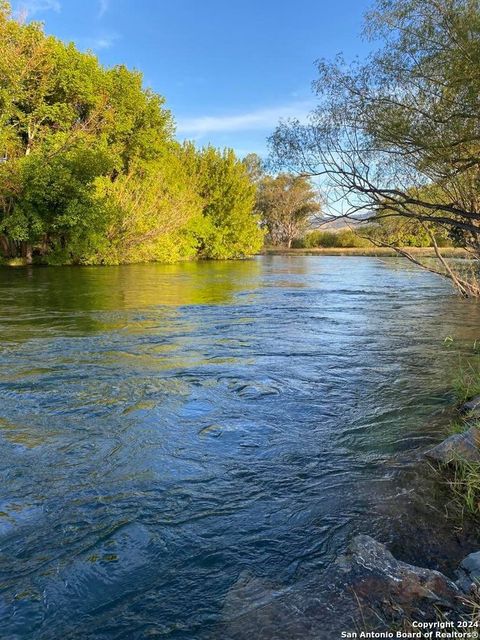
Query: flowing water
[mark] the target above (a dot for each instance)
(166, 431)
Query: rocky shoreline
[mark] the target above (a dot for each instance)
(369, 590)
(396, 591)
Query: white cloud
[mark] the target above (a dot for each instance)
(103, 42)
(102, 7)
(99, 42)
(260, 119)
(33, 7)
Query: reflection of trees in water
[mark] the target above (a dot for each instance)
(81, 300)
(22, 434)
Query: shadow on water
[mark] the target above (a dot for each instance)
(171, 433)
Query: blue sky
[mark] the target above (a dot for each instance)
(228, 69)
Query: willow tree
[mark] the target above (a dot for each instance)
(399, 135)
(66, 122)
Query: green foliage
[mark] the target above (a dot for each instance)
(466, 381)
(145, 214)
(255, 167)
(286, 204)
(90, 171)
(464, 482)
(394, 231)
(344, 238)
(463, 476)
(228, 228)
(56, 195)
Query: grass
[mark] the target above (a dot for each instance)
(466, 382)
(462, 476)
(464, 482)
(425, 252)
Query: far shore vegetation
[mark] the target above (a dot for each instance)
(372, 251)
(91, 172)
(397, 135)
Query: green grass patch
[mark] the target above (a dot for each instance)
(463, 476)
(463, 479)
(466, 381)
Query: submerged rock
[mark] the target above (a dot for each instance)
(468, 573)
(366, 588)
(394, 589)
(460, 446)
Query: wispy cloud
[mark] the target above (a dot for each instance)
(99, 42)
(259, 119)
(33, 7)
(104, 42)
(102, 7)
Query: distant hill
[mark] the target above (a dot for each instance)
(337, 223)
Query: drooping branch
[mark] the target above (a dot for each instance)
(399, 136)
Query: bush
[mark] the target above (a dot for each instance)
(345, 238)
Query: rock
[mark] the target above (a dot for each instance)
(247, 594)
(460, 446)
(257, 608)
(472, 406)
(394, 589)
(365, 588)
(468, 573)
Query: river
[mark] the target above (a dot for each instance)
(168, 431)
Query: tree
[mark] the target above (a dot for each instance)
(56, 200)
(400, 134)
(286, 204)
(229, 227)
(90, 171)
(146, 215)
(255, 167)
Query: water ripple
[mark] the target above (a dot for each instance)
(170, 434)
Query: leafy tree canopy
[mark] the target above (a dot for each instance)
(90, 171)
(399, 135)
(287, 204)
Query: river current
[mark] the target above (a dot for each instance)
(167, 432)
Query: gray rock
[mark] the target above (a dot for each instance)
(366, 588)
(395, 589)
(472, 406)
(257, 608)
(468, 573)
(460, 446)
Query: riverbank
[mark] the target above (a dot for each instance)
(392, 594)
(372, 252)
(384, 252)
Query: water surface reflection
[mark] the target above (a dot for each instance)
(167, 429)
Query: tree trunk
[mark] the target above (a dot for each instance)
(8, 247)
(4, 246)
(27, 252)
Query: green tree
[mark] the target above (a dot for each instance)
(90, 171)
(400, 134)
(255, 167)
(229, 227)
(147, 214)
(286, 204)
(56, 201)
